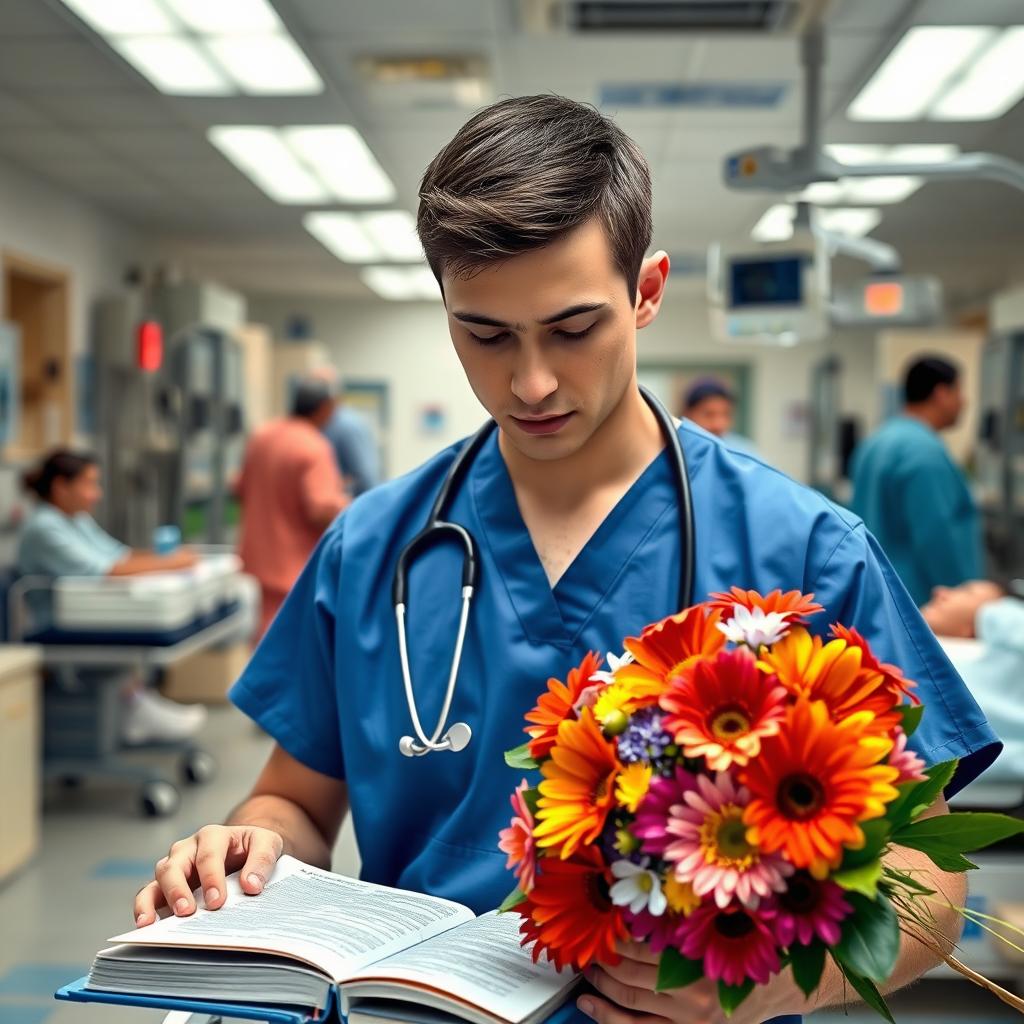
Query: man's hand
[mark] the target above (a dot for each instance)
(202, 861)
(630, 997)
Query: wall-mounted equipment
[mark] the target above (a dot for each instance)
(888, 300)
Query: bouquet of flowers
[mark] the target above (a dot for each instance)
(726, 791)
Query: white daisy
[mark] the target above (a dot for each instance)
(755, 627)
(615, 662)
(638, 888)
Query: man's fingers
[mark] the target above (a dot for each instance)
(148, 900)
(175, 873)
(605, 1012)
(633, 972)
(629, 997)
(211, 853)
(264, 849)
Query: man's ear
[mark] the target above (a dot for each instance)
(650, 287)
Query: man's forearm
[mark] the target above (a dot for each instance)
(302, 839)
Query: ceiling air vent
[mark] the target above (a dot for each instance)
(692, 16)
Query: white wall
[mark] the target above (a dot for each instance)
(47, 225)
(407, 345)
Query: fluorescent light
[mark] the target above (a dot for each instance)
(917, 71)
(215, 17)
(922, 153)
(173, 64)
(264, 158)
(402, 284)
(883, 189)
(343, 235)
(123, 17)
(991, 87)
(266, 65)
(824, 193)
(851, 153)
(394, 231)
(853, 221)
(775, 225)
(343, 161)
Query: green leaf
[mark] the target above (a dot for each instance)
(808, 963)
(868, 992)
(895, 878)
(512, 900)
(947, 861)
(876, 836)
(531, 797)
(958, 833)
(870, 940)
(677, 971)
(519, 757)
(863, 879)
(731, 996)
(911, 715)
(916, 797)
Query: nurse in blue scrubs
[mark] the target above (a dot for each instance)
(536, 220)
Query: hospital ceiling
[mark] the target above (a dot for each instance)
(72, 111)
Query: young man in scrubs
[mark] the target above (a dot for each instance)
(536, 219)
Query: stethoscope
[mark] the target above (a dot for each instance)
(458, 735)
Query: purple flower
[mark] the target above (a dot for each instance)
(644, 738)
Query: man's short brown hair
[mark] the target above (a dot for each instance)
(525, 171)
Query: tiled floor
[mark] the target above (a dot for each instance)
(97, 852)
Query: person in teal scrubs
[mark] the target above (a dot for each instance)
(536, 220)
(911, 494)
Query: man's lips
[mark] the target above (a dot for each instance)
(544, 425)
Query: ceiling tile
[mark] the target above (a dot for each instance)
(44, 146)
(58, 65)
(33, 18)
(15, 113)
(105, 109)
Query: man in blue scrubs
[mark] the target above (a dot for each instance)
(536, 220)
(912, 496)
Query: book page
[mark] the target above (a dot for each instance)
(482, 963)
(335, 923)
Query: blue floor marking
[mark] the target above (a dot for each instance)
(39, 980)
(140, 867)
(24, 1014)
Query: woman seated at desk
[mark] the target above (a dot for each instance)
(61, 538)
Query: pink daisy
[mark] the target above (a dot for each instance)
(709, 846)
(659, 932)
(911, 767)
(517, 840)
(735, 944)
(651, 825)
(806, 911)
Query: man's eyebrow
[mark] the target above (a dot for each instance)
(487, 321)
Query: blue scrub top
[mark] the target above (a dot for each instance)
(326, 681)
(915, 500)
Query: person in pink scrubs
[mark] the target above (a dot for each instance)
(291, 491)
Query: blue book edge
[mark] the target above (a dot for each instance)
(77, 992)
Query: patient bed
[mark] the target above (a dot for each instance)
(95, 634)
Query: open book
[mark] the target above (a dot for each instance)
(313, 937)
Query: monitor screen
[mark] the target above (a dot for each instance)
(766, 282)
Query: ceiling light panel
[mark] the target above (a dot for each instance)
(775, 225)
(394, 231)
(855, 221)
(343, 235)
(219, 17)
(343, 161)
(174, 64)
(266, 65)
(263, 157)
(123, 17)
(917, 71)
(401, 284)
(990, 87)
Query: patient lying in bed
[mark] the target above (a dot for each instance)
(982, 629)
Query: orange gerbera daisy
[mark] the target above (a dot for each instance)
(832, 672)
(895, 680)
(723, 708)
(557, 705)
(814, 783)
(570, 915)
(668, 649)
(793, 604)
(578, 788)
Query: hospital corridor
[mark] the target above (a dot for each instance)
(607, 413)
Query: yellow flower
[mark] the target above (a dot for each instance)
(615, 698)
(680, 895)
(633, 784)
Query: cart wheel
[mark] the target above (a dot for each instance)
(198, 767)
(159, 799)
